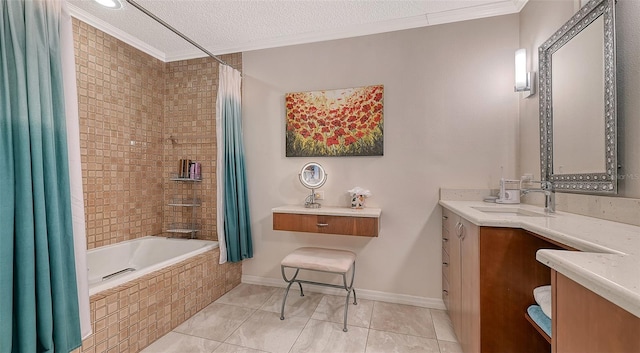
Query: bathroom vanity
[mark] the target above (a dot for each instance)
(328, 220)
(495, 255)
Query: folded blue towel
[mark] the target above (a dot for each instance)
(536, 314)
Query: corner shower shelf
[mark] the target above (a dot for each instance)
(184, 204)
(189, 202)
(182, 230)
(186, 179)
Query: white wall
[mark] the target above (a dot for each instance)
(450, 120)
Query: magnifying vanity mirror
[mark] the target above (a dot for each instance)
(578, 123)
(312, 176)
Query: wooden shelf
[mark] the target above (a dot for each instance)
(538, 328)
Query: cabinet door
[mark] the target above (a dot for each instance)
(585, 322)
(469, 335)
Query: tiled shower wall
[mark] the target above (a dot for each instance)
(189, 133)
(138, 117)
(121, 96)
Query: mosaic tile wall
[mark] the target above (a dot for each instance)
(189, 133)
(121, 98)
(129, 317)
(138, 118)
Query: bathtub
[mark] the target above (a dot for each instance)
(112, 265)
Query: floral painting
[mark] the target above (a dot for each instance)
(345, 122)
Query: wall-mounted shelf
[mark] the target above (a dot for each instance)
(328, 220)
(183, 230)
(186, 179)
(184, 203)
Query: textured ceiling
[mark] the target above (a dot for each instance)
(228, 26)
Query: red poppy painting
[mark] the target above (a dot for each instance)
(345, 122)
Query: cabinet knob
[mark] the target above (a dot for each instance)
(322, 224)
(445, 292)
(445, 264)
(445, 217)
(444, 240)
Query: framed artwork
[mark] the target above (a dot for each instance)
(343, 122)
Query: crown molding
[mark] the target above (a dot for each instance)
(115, 32)
(186, 55)
(319, 36)
(469, 13)
(476, 12)
(519, 4)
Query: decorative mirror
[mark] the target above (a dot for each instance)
(578, 123)
(312, 176)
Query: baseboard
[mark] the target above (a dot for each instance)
(431, 303)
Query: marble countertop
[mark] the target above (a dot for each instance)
(609, 257)
(369, 212)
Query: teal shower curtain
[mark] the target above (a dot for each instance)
(38, 293)
(233, 200)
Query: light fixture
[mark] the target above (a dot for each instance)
(524, 79)
(112, 4)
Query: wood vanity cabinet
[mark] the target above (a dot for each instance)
(460, 237)
(449, 265)
(585, 322)
(491, 276)
(327, 224)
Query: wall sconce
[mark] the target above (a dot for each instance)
(524, 79)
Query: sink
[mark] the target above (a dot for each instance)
(509, 211)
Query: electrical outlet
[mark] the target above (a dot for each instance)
(319, 195)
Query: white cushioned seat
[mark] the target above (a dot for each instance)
(320, 259)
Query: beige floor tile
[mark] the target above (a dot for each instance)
(328, 337)
(216, 321)
(331, 308)
(231, 348)
(449, 347)
(247, 295)
(388, 342)
(265, 331)
(296, 305)
(443, 326)
(404, 319)
(174, 342)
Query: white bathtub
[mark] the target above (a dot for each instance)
(113, 265)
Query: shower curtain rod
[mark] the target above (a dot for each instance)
(172, 29)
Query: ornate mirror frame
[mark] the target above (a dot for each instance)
(589, 183)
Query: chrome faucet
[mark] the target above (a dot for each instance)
(546, 187)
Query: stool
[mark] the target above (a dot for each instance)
(321, 260)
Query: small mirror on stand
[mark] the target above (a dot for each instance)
(312, 176)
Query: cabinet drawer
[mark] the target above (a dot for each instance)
(447, 219)
(445, 292)
(346, 225)
(445, 264)
(445, 239)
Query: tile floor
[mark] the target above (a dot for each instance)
(247, 320)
